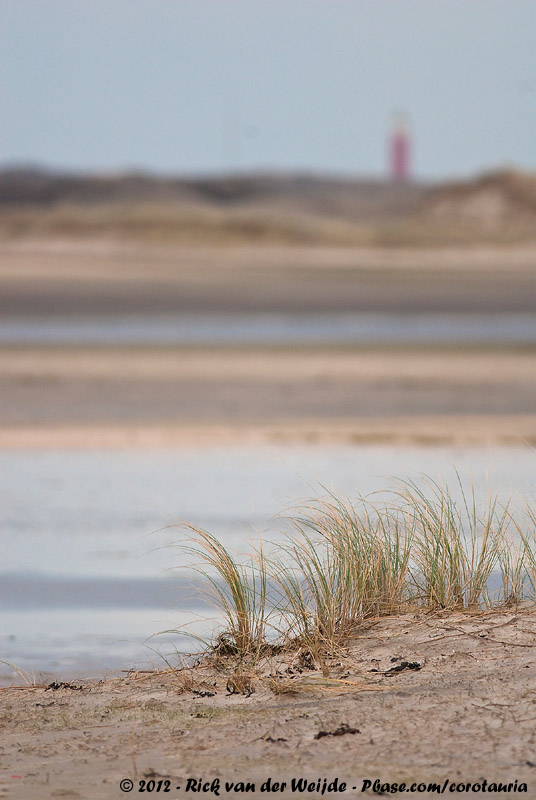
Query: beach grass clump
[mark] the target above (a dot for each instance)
(457, 545)
(341, 565)
(519, 568)
(426, 548)
(237, 590)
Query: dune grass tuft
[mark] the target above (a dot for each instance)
(457, 546)
(341, 566)
(426, 548)
(237, 590)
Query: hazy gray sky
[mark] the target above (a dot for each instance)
(210, 85)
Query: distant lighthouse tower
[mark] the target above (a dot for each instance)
(400, 150)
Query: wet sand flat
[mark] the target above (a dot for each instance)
(374, 393)
(103, 278)
(394, 392)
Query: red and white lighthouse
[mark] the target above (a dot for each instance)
(400, 150)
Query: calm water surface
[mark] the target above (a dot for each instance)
(89, 537)
(272, 329)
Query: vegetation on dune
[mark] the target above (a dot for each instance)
(344, 563)
(237, 590)
(268, 209)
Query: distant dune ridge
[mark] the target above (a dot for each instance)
(490, 200)
(279, 208)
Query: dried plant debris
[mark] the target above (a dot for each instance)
(55, 685)
(414, 665)
(342, 730)
(240, 684)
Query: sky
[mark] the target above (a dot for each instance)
(210, 86)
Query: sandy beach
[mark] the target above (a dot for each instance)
(463, 714)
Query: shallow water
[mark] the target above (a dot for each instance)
(272, 329)
(87, 544)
